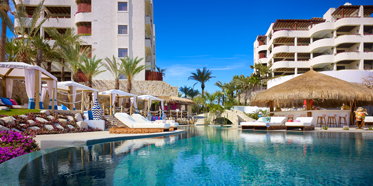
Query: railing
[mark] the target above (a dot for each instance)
(347, 52)
(348, 35)
(348, 17)
(154, 76)
(284, 45)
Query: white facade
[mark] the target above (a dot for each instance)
(102, 20)
(340, 41)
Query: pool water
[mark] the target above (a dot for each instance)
(212, 156)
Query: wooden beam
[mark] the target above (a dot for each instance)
(37, 85)
(82, 103)
(53, 97)
(70, 98)
(111, 106)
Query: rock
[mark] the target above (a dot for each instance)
(23, 116)
(346, 127)
(82, 125)
(71, 127)
(13, 129)
(50, 117)
(12, 118)
(8, 120)
(31, 122)
(64, 121)
(45, 112)
(3, 128)
(49, 127)
(4, 108)
(41, 120)
(34, 128)
(22, 124)
(59, 126)
(70, 118)
(78, 117)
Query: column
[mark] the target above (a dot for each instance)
(361, 66)
(335, 34)
(296, 56)
(296, 70)
(334, 50)
(334, 66)
(361, 12)
(311, 40)
(311, 55)
(295, 41)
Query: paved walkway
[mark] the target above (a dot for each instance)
(90, 138)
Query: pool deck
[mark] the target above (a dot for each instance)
(90, 138)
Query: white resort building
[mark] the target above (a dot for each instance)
(339, 44)
(116, 27)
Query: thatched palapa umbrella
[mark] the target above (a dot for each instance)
(313, 86)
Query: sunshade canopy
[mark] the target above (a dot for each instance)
(16, 70)
(174, 99)
(116, 92)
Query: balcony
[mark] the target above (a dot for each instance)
(148, 46)
(149, 7)
(84, 28)
(262, 48)
(148, 25)
(290, 64)
(342, 56)
(83, 17)
(153, 76)
(322, 43)
(322, 60)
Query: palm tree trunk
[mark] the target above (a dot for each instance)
(239, 98)
(39, 57)
(203, 88)
(63, 70)
(129, 88)
(3, 37)
(89, 95)
(117, 88)
(49, 67)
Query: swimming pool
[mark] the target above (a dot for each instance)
(212, 156)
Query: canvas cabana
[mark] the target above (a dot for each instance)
(33, 76)
(71, 89)
(112, 94)
(178, 101)
(314, 86)
(148, 101)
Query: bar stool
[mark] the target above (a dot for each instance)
(303, 115)
(332, 120)
(291, 117)
(320, 120)
(340, 120)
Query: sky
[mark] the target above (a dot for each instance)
(219, 35)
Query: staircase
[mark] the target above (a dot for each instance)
(243, 117)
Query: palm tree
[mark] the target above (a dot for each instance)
(90, 67)
(6, 22)
(193, 93)
(72, 56)
(28, 27)
(12, 48)
(115, 68)
(162, 71)
(221, 86)
(130, 69)
(244, 84)
(40, 45)
(201, 76)
(66, 40)
(185, 90)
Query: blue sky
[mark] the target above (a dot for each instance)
(219, 34)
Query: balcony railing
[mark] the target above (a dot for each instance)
(347, 52)
(154, 76)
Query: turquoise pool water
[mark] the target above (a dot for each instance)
(212, 156)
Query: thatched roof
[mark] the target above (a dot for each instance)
(173, 99)
(314, 85)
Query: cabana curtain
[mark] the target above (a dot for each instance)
(55, 95)
(74, 97)
(43, 94)
(120, 101)
(50, 85)
(40, 100)
(9, 87)
(30, 88)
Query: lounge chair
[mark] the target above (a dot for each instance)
(134, 127)
(368, 120)
(276, 123)
(141, 119)
(305, 123)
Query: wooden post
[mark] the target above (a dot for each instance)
(37, 93)
(149, 104)
(352, 112)
(70, 98)
(131, 110)
(82, 103)
(4, 86)
(121, 109)
(309, 107)
(53, 98)
(103, 108)
(111, 106)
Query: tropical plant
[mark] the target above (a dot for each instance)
(6, 22)
(130, 69)
(193, 93)
(243, 84)
(115, 68)
(72, 56)
(12, 48)
(40, 45)
(64, 42)
(185, 90)
(90, 67)
(29, 27)
(255, 114)
(162, 71)
(201, 76)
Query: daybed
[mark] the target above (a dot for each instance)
(305, 123)
(368, 120)
(134, 127)
(141, 119)
(276, 123)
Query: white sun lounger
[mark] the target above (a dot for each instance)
(259, 124)
(131, 123)
(141, 119)
(304, 122)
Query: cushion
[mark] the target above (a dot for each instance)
(266, 119)
(1, 103)
(90, 115)
(6, 101)
(63, 107)
(13, 102)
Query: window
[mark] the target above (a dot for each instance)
(122, 29)
(122, 6)
(122, 52)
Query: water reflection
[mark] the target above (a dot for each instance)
(211, 156)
